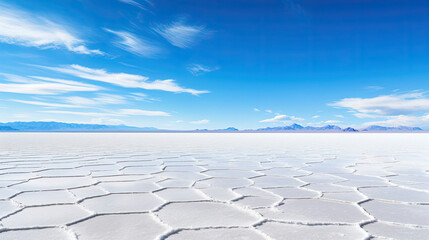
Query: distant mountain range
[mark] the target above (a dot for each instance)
(7, 128)
(297, 127)
(375, 128)
(77, 127)
(333, 128)
(67, 127)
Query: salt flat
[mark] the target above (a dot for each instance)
(214, 186)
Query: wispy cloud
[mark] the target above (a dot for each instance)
(22, 28)
(43, 86)
(46, 104)
(100, 99)
(402, 120)
(281, 118)
(107, 121)
(133, 44)
(137, 4)
(142, 97)
(121, 112)
(256, 109)
(205, 121)
(179, 34)
(88, 114)
(315, 116)
(198, 69)
(409, 109)
(124, 79)
(386, 105)
(332, 121)
(138, 112)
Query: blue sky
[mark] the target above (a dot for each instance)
(214, 64)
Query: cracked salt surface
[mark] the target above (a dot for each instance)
(206, 214)
(213, 186)
(292, 231)
(119, 226)
(220, 233)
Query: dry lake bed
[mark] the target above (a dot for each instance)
(110, 186)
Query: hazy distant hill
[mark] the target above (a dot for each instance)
(350, 129)
(6, 128)
(375, 128)
(297, 127)
(284, 128)
(334, 128)
(69, 127)
(77, 127)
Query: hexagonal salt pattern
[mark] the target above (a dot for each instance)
(314, 232)
(395, 231)
(206, 214)
(119, 226)
(213, 186)
(45, 216)
(37, 234)
(123, 203)
(220, 233)
(317, 211)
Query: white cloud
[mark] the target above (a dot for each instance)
(138, 112)
(101, 99)
(402, 120)
(409, 109)
(387, 105)
(179, 34)
(136, 4)
(124, 79)
(20, 116)
(121, 112)
(21, 28)
(142, 97)
(256, 110)
(205, 121)
(197, 69)
(82, 101)
(48, 86)
(315, 116)
(104, 98)
(339, 116)
(107, 121)
(332, 121)
(281, 118)
(89, 114)
(131, 43)
(46, 104)
(268, 111)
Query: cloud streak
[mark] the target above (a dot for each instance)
(135, 45)
(402, 120)
(124, 79)
(281, 118)
(44, 86)
(205, 121)
(46, 104)
(406, 109)
(119, 113)
(136, 4)
(21, 28)
(197, 69)
(179, 34)
(386, 105)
